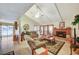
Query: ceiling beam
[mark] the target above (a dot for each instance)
(58, 11)
(43, 12)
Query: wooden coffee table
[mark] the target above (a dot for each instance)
(51, 40)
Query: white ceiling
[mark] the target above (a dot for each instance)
(12, 11)
(50, 13)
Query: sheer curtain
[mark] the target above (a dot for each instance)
(0, 39)
(45, 30)
(50, 30)
(7, 37)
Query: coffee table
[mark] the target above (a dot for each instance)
(51, 40)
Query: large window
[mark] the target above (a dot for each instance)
(44, 29)
(6, 36)
(7, 30)
(10, 30)
(0, 32)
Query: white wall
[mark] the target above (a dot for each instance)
(7, 20)
(26, 20)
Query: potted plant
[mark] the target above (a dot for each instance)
(76, 21)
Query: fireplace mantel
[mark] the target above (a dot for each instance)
(67, 31)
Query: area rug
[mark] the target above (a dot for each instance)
(54, 48)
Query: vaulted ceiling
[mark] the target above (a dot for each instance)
(50, 13)
(42, 13)
(12, 11)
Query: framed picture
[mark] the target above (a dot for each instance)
(61, 25)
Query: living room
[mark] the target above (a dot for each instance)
(42, 29)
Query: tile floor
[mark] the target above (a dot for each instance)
(8, 45)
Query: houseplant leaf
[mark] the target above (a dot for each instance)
(76, 20)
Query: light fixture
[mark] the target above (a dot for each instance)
(37, 15)
(39, 12)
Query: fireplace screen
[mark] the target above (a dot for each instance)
(61, 34)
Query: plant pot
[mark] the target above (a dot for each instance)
(77, 39)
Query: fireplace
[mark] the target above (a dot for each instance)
(61, 34)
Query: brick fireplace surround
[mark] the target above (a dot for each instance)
(62, 32)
